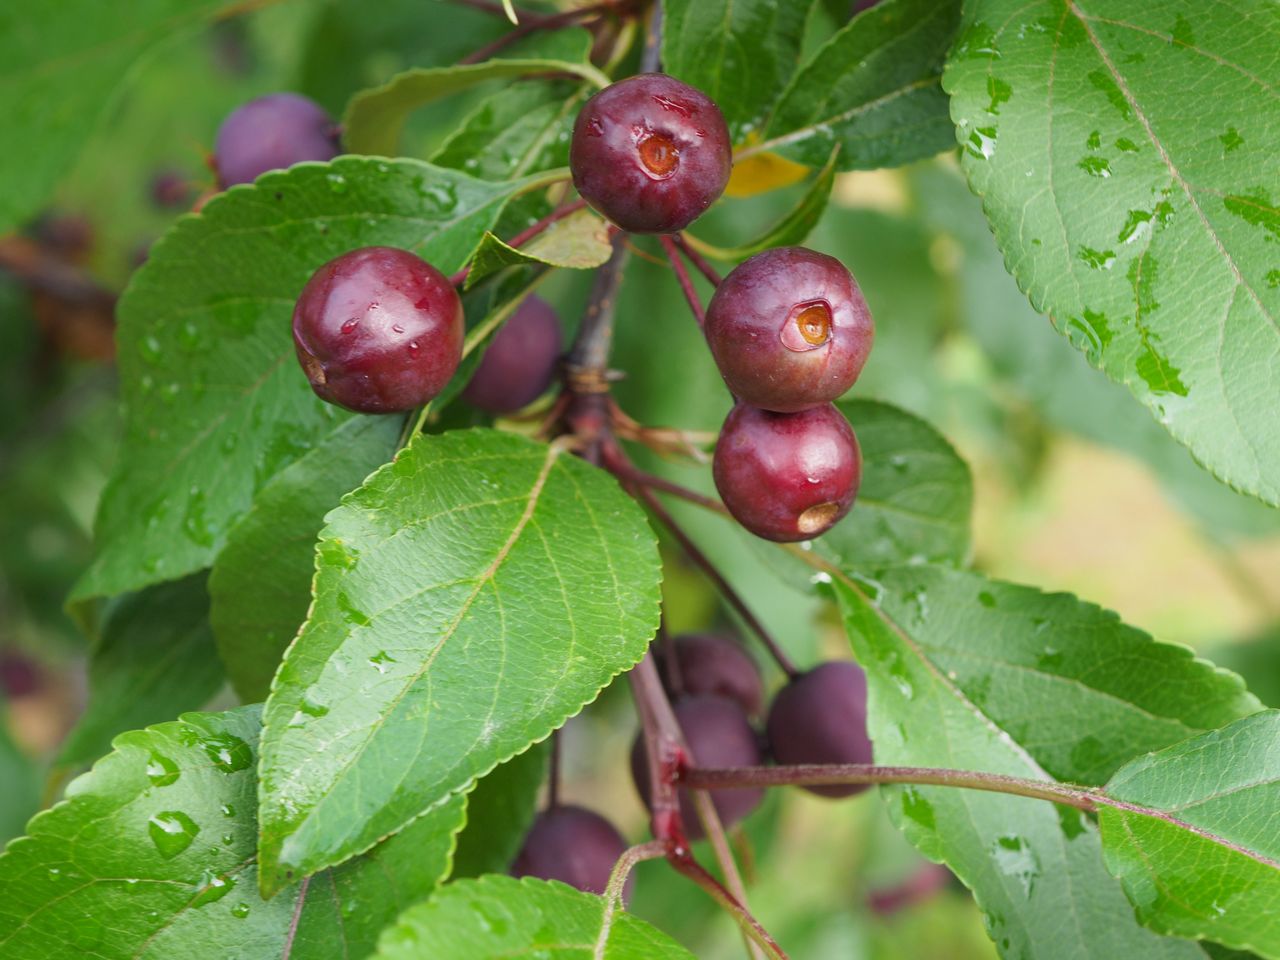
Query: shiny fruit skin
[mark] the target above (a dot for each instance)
(789, 329)
(378, 330)
(271, 133)
(787, 476)
(520, 361)
(719, 735)
(573, 845)
(711, 663)
(650, 153)
(821, 717)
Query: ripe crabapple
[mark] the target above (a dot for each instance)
(821, 717)
(270, 133)
(520, 361)
(711, 663)
(573, 845)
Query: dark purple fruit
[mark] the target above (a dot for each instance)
(271, 133)
(821, 717)
(789, 329)
(520, 362)
(711, 663)
(719, 735)
(572, 845)
(650, 153)
(787, 476)
(171, 189)
(378, 330)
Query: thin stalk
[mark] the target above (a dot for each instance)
(553, 772)
(617, 881)
(531, 23)
(714, 830)
(751, 928)
(635, 475)
(721, 584)
(697, 259)
(590, 349)
(827, 774)
(685, 281)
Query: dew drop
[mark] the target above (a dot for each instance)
(161, 771)
(350, 325)
(380, 660)
(240, 910)
(172, 831)
(212, 888)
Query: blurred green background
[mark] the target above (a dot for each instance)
(1077, 489)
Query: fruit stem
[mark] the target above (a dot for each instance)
(664, 751)
(686, 282)
(698, 260)
(757, 936)
(590, 351)
(826, 774)
(651, 58)
(553, 772)
(730, 595)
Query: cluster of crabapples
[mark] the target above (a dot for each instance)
(379, 330)
(717, 694)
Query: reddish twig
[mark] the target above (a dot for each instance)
(531, 23)
(826, 774)
(750, 925)
(730, 595)
(697, 259)
(682, 276)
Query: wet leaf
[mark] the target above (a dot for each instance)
(154, 660)
(974, 674)
(374, 118)
(915, 499)
(496, 917)
(740, 53)
(215, 403)
(260, 585)
(873, 90)
(1195, 835)
(470, 597)
(1147, 238)
(152, 855)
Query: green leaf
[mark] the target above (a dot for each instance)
(496, 917)
(519, 130)
(740, 53)
(374, 118)
(155, 659)
(915, 499)
(470, 597)
(1191, 833)
(1042, 369)
(215, 403)
(974, 674)
(500, 811)
(260, 586)
(1144, 236)
(61, 66)
(580, 241)
(152, 856)
(873, 90)
(793, 228)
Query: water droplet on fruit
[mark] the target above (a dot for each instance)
(595, 128)
(350, 325)
(161, 771)
(397, 328)
(414, 347)
(172, 832)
